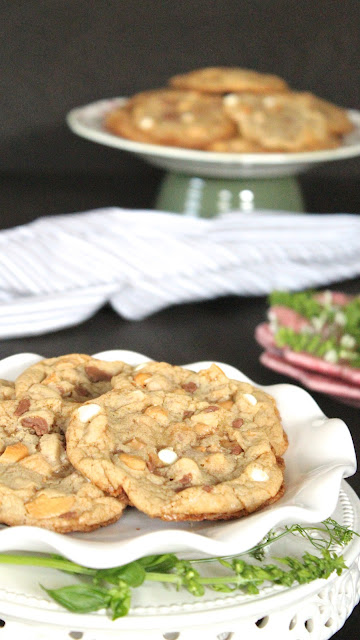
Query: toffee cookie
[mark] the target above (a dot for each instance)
(182, 445)
(238, 144)
(7, 390)
(214, 387)
(228, 79)
(280, 122)
(337, 118)
(74, 377)
(186, 119)
(38, 485)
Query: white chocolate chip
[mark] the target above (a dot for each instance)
(187, 117)
(140, 366)
(270, 101)
(88, 411)
(231, 99)
(168, 456)
(259, 475)
(250, 398)
(146, 123)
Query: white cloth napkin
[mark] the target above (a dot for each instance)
(59, 270)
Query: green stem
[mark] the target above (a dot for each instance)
(164, 577)
(49, 562)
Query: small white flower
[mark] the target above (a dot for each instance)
(347, 341)
(331, 356)
(318, 322)
(340, 318)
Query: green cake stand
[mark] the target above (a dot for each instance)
(208, 183)
(207, 197)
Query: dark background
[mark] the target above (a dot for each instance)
(56, 55)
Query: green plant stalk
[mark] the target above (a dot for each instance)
(110, 589)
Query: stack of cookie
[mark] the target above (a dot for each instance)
(82, 438)
(229, 109)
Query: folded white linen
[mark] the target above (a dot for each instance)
(59, 270)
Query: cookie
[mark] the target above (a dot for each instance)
(280, 122)
(238, 144)
(228, 79)
(169, 117)
(74, 377)
(182, 445)
(7, 389)
(38, 485)
(337, 119)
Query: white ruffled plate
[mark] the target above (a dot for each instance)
(319, 455)
(87, 122)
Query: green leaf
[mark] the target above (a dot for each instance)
(80, 598)
(159, 563)
(132, 574)
(223, 588)
(120, 608)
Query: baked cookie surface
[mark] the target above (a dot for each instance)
(74, 377)
(186, 119)
(38, 485)
(337, 118)
(182, 445)
(238, 144)
(7, 389)
(280, 122)
(228, 79)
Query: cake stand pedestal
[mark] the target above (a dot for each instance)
(207, 197)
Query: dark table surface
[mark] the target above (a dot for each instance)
(221, 329)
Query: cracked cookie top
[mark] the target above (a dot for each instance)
(182, 445)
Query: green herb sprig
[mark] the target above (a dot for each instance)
(314, 340)
(111, 589)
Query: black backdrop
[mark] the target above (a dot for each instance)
(59, 54)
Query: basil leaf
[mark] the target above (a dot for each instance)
(133, 574)
(161, 563)
(80, 598)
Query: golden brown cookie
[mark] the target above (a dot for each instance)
(74, 377)
(182, 445)
(38, 485)
(7, 389)
(337, 118)
(280, 122)
(228, 79)
(169, 117)
(238, 144)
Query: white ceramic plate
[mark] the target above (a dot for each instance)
(319, 455)
(87, 122)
